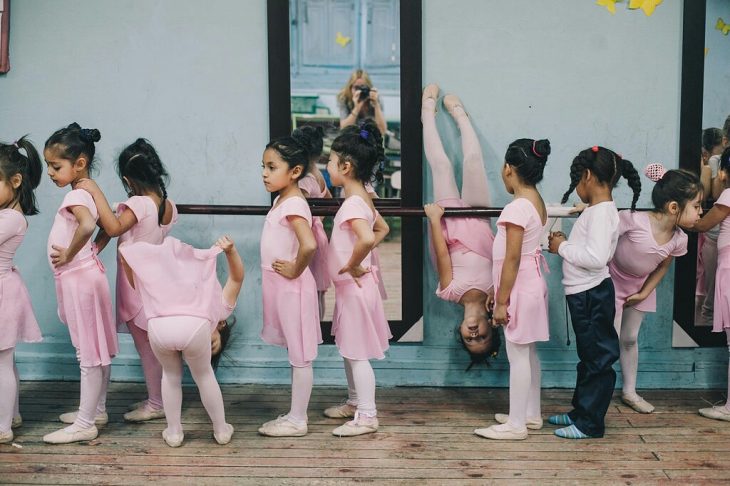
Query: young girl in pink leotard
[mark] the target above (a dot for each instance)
(20, 173)
(84, 300)
(148, 215)
(462, 247)
(291, 313)
(648, 242)
(184, 302)
(359, 325)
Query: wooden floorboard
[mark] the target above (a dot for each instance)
(425, 439)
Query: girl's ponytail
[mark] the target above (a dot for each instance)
(628, 171)
(28, 165)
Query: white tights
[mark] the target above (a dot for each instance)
(361, 386)
(194, 345)
(474, 187)
(302, 379)
(524, 383)
(9, 384)
(628, 324)
(94, 385)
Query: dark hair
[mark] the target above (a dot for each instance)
(675, 185)
(725, 160)
(73, 141)
(225, 334)
(363, 147)
(726, 127)
(482, 357)
(13, 162)
(292, 152)
(141, 165)
(711, 138)
(528, 157)
(311, 139)
(607, 167)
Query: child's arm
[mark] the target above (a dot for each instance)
(713, 217)
(592, 254)
(434, 212)
(236, 271)
(511, 266)
(381, 229)
(102, 239)
(87, 224)
(364, 243)
(112, 225)
(650, 283)
(307, 248)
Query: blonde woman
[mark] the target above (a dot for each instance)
(358, 100)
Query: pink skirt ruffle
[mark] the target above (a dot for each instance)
(291, 315)
(528, 303)
(318, 265)
(85, 306)
(17, 321)
(359, 325)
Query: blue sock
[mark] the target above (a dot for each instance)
(562, 419)
(571, 432)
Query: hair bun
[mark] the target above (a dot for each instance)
(542, 148)
(655, 172)
(90, 135)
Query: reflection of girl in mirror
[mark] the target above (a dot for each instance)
(358, 100)
(462, 247)
(647, 244)
(720, 214)
(520, 296)
(313, 185)
(712, 146)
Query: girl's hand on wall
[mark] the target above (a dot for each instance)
(355, 272)
(500, 316)
(554, 241)
(433, 211)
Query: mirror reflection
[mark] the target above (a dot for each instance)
(345, 68)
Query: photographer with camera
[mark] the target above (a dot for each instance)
(359, 100)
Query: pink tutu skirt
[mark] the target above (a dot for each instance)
(318, 265)
(627, 285)
(375, 265)
(721, 316)
(359, 325)
(85, 306)
(528, 303)
(291, 315)
(17, 321)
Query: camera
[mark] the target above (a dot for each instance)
(364, 91)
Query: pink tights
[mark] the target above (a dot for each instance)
(361, 386)
(474, 187)
(9, 384)
(151, 368)
(176, 337)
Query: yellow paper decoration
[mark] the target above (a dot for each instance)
(609, 4)
(648, 6)
(342, 40)
(722, 26)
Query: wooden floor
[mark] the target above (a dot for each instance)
(425, 438)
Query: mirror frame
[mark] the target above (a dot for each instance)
(280, 124)
(690, 127)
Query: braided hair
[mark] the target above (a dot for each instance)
(28, 166)
(607, 167)
(144, 170)
(362, 146)
(72, 142)
(291, 151)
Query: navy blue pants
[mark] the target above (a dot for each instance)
(592, 312)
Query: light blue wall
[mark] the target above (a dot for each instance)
(193, 80)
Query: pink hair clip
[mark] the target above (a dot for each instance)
(594, 148)
(655, 172)
(534, 150)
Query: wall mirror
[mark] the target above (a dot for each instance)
(705, 105)
(326, 57)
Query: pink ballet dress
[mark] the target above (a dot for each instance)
(291, 311)
(359, 325)
(175, 279)
(470, 243)
(637, 255)
(375, 253)
(17, 321)
(318, 265)
(528, 301)
(129, 303)
(82, 290)
(721, 316)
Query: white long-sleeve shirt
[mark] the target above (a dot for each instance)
(589, 248)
